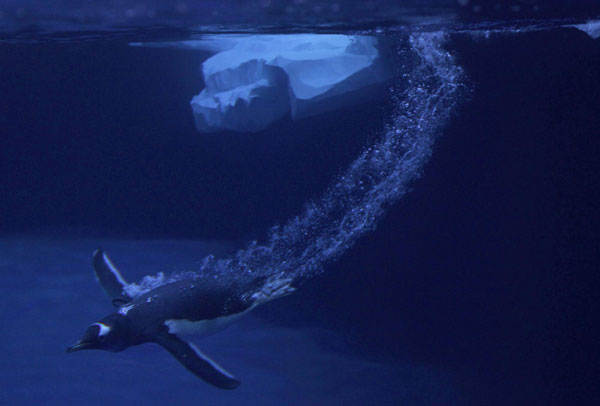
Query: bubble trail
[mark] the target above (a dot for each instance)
(379, 177)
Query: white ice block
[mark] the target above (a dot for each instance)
(253, 81)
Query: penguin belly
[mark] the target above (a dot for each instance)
(200, 328)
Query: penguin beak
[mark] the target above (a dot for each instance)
(80, 345)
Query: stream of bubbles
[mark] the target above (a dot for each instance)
(355, 201)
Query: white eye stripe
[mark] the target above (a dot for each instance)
(104, 329)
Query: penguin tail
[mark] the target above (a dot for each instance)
(275, 287)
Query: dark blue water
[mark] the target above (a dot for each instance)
(442, 235)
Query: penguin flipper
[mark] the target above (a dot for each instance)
(110, 278)
(196, 362)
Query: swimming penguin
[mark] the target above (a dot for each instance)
(170, 312)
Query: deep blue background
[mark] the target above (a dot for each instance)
(25, 16)
(490, 262)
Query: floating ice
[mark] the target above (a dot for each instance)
(591, 28)
(252, 81)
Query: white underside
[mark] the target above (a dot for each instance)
(200, 328)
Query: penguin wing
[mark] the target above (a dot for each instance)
(110, 278)
(196, 362)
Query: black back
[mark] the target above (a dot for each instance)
(191, 299)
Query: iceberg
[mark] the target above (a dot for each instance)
(251, 81)
(248, 97)
(591, 28)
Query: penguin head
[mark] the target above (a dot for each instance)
(106, 335)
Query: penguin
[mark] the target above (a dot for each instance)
(169, 314)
